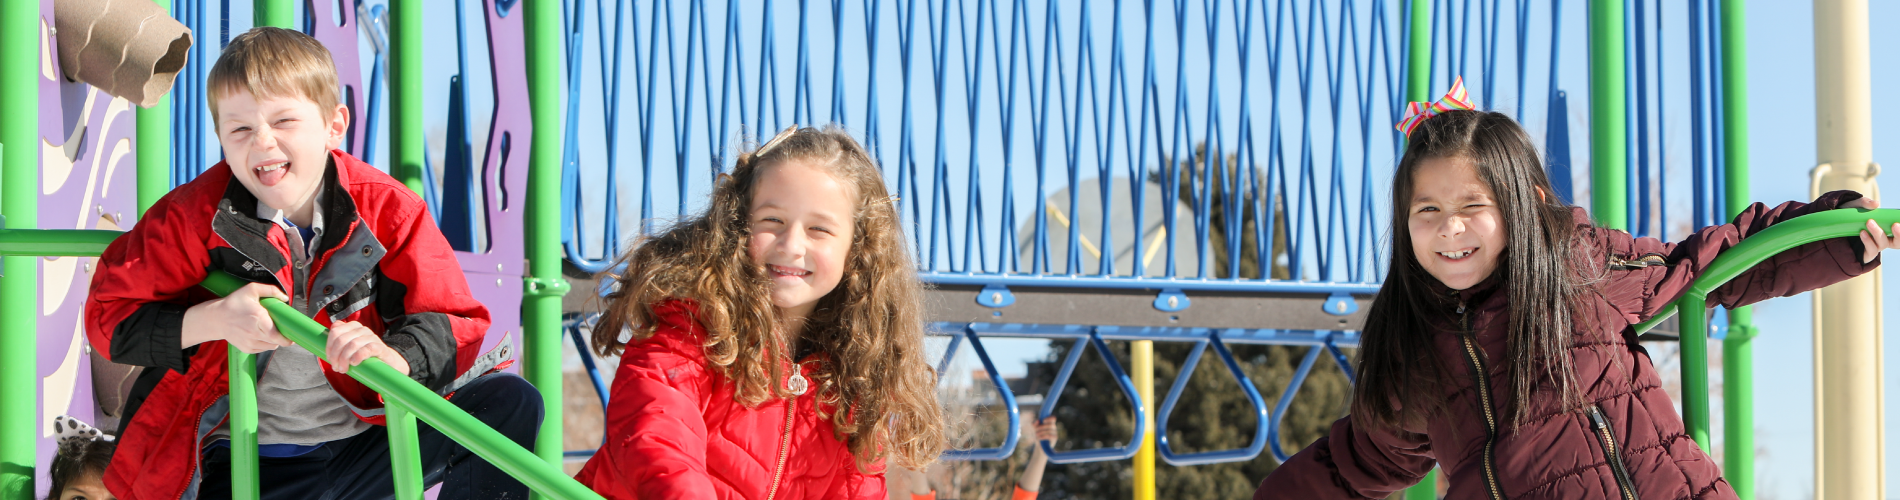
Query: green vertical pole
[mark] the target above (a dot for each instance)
(405, 454)
(1738, 353)
(154, 147)
(278, 13)
(1418, 77)
(19, 196)
(541, 300)
(243, 369)
(1608, 118)
(1693, 318)
(243, 397)
(1418, 83)
(405, 79)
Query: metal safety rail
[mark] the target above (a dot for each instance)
(1778, 238)
(1043, 149)
(1266, 432)
(1006, 115)
(404, 400)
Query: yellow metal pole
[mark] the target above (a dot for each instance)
(1849, 459)
(1143, 357)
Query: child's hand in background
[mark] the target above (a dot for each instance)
(1874, 239)
(1046, 430)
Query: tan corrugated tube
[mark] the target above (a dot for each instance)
(129, 48)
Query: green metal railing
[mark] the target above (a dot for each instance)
(1845, 223)
(404, 399)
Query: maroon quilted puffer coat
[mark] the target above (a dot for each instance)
(1628, 442)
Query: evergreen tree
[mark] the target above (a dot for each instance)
(1213, 412)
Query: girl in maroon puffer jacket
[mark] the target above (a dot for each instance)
(1500, 347)
(777, 339)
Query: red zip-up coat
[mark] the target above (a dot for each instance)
(1628, 441)
(381, 262)
(674, 431)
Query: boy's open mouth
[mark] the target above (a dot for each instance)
(270, 173)
(794, 272)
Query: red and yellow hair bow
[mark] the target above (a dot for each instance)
(1418, 112)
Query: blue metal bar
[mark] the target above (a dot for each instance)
(1286, 401)
(1185, 284)
(573, 326)
(1055, 394)
(1011, 411)
(1174, 395)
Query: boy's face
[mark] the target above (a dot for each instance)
(278, 146)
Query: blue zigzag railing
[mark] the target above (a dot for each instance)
(1066, 143)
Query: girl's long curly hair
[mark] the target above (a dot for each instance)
(867, 333)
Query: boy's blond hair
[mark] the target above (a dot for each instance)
(268, 61)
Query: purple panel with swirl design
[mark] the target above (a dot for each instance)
(342, 42)
(495, 275)
(88, 175)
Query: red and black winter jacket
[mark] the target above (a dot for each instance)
(381, 262)
(1628, 441)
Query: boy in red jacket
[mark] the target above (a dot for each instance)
(333, 237)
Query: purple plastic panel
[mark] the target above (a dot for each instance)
(342, 40)
(88, 178)
(495, 275)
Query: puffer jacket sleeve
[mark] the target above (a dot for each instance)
(656, 446)
(430, 317)
(1646, 274)
(144, 282)
(859, 485)
(1352, 462)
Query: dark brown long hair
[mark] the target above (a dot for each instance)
(868, 332)
(76, 460)
(1402, 381)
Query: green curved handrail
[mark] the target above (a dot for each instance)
(405, 400)
(1750, 252)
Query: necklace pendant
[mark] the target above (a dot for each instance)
(797, 384)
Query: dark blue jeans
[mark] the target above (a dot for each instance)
(358, 467)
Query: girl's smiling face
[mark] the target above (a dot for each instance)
(1456, 228)
(801, 222)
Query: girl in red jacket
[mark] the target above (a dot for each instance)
(1500, 347)
(776, 346)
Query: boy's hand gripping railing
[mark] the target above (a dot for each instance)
(1844, 223)
(1128, 389)
(1261, 423)
(1013, 413)
(404, 401)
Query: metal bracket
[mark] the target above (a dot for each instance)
(1718, 323)
(538, 287)
(1172, 300)
(995, 296)
(1340, 304)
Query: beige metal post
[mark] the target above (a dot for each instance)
(1847, 374)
